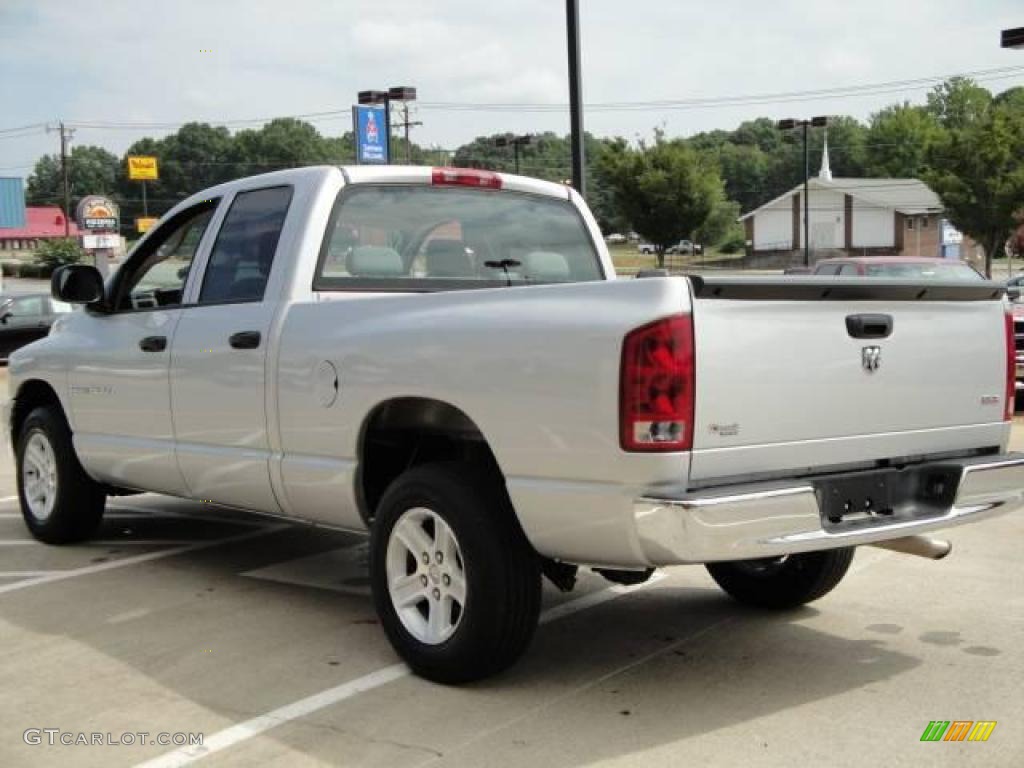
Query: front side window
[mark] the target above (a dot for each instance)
(240, 261)
(419, 238)
(155, 276)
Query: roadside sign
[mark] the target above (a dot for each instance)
(97, 212)
(145, 223)
(142, 168)
(96, 242)
(371, 129)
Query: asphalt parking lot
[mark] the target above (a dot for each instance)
(188, 618)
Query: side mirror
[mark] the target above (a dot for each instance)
(5, 316)
(77, 284)
(1013, 292)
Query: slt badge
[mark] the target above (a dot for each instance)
(871, 358)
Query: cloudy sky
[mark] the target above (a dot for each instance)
(170, 61)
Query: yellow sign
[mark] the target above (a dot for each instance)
(145, 223)
(142, 168)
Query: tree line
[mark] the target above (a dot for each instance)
(964, 141)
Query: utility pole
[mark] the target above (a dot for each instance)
(572, 28)
(406, 124)
(404, 94)
(65, 139)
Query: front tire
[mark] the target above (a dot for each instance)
(455, 582)
(61, 504)
(785, 582)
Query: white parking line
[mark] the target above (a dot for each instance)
(244, 731)
(135, 559)
(24, 574)
(5, 499)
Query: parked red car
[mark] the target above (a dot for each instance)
(898, 267)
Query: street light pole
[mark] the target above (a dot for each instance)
(787, 125)
(516, 142)
(807, 201)
(572, 23)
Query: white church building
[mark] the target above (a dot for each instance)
(857, 217)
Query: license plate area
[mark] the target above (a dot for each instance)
(871, 498)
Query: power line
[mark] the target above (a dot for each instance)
(762, 98)
(880, 88)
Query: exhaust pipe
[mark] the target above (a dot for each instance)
(922, 546)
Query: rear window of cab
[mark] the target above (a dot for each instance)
(432, 238)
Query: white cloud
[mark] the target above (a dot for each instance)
(144, 60)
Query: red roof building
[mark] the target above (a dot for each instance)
(41, 223)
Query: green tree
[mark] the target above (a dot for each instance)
(899, 140)
(91, 171)
(978, 171)
(281, 143)
(958, 103)
(58, 252)
(666, 190)
(721, 225)
(746, 170)
(761, 133)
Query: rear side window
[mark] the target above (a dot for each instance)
(412, 238)
(240, 261)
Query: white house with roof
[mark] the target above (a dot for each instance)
(854, 216)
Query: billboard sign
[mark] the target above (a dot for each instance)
(142, 168)
(97, 212)
(370, 125)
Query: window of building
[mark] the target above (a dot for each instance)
(910, 223)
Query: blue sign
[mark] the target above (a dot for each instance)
(370, 122)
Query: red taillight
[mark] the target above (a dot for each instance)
(465, 177)
(657, 387)
(1011, 368)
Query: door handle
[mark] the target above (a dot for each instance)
(245, 340)
(153, 344)
(869, 326)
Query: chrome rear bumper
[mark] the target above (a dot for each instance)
(781, 518)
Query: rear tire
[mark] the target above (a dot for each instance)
(783, 582)
(456, 584)
(61, 504)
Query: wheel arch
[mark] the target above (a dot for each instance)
(404, 432)
(32, 394)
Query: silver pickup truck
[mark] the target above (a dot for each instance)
(445, 358)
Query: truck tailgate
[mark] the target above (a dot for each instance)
(785, 382)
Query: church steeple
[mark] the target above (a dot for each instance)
(826, 171)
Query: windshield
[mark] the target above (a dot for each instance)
(413, 238)
(924, 271)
